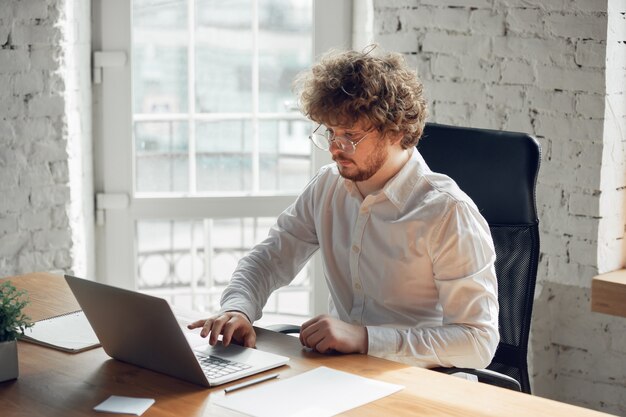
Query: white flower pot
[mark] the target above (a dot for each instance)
(8, 360)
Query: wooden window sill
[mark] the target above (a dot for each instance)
(608, 293)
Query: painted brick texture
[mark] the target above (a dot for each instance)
(32, 140)
(43, 80)
(541, 67)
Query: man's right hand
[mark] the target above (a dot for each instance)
(232, 325)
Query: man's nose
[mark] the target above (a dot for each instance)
(334, 147)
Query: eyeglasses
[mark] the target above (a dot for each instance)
(323, 138)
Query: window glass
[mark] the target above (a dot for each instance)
(159, 52)
(223, 42)
(285, 49)
(285, 162)
(161, 156)
(224, 156)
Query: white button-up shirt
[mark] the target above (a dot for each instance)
(413, 263)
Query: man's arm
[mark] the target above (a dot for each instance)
(467, 338)
(463, 256)
(469, 345)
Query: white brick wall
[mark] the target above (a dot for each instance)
(539, 66)
(40, 227)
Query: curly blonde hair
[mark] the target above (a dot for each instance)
(345, 87)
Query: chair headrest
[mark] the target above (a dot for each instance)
(497, 169)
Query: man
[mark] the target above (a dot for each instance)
(408, 259)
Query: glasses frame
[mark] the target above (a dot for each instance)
(324, 142)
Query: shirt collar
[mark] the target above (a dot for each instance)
(398, 189)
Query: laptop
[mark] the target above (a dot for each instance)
(142, 330)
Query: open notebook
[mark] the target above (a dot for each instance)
(69, 332)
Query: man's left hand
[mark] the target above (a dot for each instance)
(325, 333)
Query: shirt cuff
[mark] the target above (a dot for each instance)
(247, 310)
(382, 341)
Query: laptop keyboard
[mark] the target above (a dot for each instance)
(215, 367)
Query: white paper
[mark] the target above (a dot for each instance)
(124, 405)
(320, 392)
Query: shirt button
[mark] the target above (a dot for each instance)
(357, 286)
(356, 249)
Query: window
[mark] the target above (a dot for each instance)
(209, 148)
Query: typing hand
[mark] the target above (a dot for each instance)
(232, 325)
(324, 333)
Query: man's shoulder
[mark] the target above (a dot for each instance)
(326, 178)
(328, 174)
(329, 170)
(438, 189)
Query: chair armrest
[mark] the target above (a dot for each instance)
(284, 328)
(485, 375)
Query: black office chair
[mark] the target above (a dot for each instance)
(498, 170)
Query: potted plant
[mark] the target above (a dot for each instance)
(13, 323)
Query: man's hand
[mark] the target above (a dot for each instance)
(232, 325)
(325, 333)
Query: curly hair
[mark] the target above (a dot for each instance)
(345, 87)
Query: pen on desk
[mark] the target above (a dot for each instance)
(251, 382)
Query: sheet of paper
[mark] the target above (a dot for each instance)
(124, 405)
(317, 393)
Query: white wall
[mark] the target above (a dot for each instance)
(538, 66)
(611, 242)
(44, 137)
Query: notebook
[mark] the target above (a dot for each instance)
(69, 332)
(142, 330)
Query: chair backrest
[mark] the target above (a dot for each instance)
(498, 170)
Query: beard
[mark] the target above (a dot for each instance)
(372, 165)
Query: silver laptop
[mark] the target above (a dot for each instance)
(142, 330)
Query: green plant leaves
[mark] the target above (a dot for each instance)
(13, 321)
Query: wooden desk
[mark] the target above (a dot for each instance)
(54, 383)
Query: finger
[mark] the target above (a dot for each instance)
(312, 338)
(206, 327)
(323, 346)
(196, 324)
(216, 330)
(304, 333)
(307, 328)
(250, 339)
(310, 322)
(229, 328)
